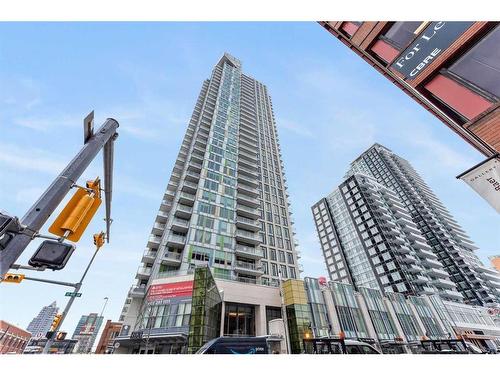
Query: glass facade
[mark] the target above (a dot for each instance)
(320, 323)
(405, 316)
(382, 321)
(348, 311)
(206, 310)
(431, 325)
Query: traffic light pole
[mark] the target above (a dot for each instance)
(77, 287)
(39, 213)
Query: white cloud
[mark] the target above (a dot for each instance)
(17, 157)
(295, 128)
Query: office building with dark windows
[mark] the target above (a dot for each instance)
(383, 228)
(226, 208)
(450, 68)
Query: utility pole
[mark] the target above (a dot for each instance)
(77, 287)
(39, 213)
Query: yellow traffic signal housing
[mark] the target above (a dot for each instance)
(95, 185)
(99, 240)
(13, 278)
(55, 322)
(76, 216)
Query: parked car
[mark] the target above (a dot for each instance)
(242, 345)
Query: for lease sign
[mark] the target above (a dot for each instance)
(436, 37)
(170, 290)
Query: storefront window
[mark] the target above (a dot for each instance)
(239, 320)
(481, 65)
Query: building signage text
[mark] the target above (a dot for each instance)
(430, 44)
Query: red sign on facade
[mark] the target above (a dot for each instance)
(170, 290)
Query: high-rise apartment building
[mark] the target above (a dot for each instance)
(40, 324)
(452, 69)
(86, 332)
(226, 204)
(384, 228)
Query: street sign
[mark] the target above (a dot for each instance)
(73, 294)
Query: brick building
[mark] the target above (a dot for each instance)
(12, 339)
(111, 330)
(451, 68)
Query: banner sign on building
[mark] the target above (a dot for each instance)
(169, 291)
(485, 180)
(436, 38)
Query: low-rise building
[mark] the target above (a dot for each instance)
(111, 330)
(13, 339)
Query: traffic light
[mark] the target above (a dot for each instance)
(95, 185)
(55, 322)
(52, 254)
(13, 278)
(76, 216)
(60, 336)
(99, 240)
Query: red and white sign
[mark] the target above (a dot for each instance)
(322, 280)
(170, 290)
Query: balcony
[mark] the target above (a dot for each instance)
(443, 283)
(252, 182)
(248, 224)
(175, 240)
(431, 263)
(158, 228)
(247, 268)
(419, 279)
(194, 166)
(248, 190)
(403, 250)
(247, 237)
(169, 195)
(137, 291)
(189, 187)
(250, 156)
(247, 200)
(192, 176)
(187, 198)
(426, 253)
(246, 211)
(184, 212)
(165, 205)
(171, 258)
(415, 269)
(251, 173)
(451, 294)
(180, 225)
(436, 272)
(148, 256)
(408, 260)
(162, 217)
(154, 241)
(143, 273)
(249, 252)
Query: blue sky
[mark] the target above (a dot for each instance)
(329, 105)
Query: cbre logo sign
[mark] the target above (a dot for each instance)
(435, 38)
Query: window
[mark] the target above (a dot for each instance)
(481, 65)
(401, 33)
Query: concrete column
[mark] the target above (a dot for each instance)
(222, 314)
(367, 319)
(331, 312)
(399, 328)
(260, 320)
